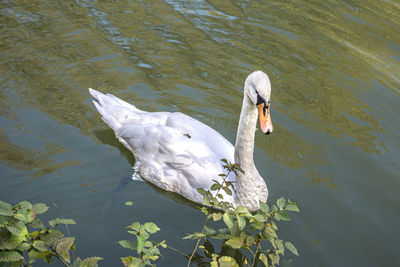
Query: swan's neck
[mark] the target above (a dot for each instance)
(250, 186)
(244, 146)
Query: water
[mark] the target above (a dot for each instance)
(334, 68)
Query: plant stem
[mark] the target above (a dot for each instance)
(206, 220)
(178, 251)
(198, 242)
(252, 253)
(59, 258)
(255, 254)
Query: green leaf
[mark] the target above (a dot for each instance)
(151, 227)
(150, 257)
(281, 248)
(90, 262)
(128, 244)
(77, 262)
(32, 255)
(9, 240)
(235, 242)
(37, 223)
(194, 236)
(227, 191)
(148, 244)
(4, 220)
(270, 233)
(153, 251)
(292, 248)
(18, 228)
(63, 246)
(25, 215)
(128, 203)
(163, 244)
(40, 208)
(264, 207)
(228, 220)
(214, 262)
(292, 206)
(206, 200)
(131, 261)
(204, 210)
(250, 241)
(260, 218)
(46, 256)
(208, 230)
(51, 237)
(24, 205)
(39, 245)
(34, 234)
(10, 256)
(241, 222)
(226, 261)
(57, 221)
(242, 209)
(274, 258)
(143, 233)
(237, 167)
(202, 191)
(215, 187)
(6, 209)
(281, 215)
(134, 226)
(140, 244)
(24, 246)
(281, 202)
(263, 259)
(273, 225)
(217, 216)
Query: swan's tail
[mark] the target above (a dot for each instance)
(113, 110)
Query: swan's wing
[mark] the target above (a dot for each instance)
(176, 152)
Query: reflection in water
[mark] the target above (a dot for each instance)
(40, 161)
(334, 68)
(312, 178)
(108, 137)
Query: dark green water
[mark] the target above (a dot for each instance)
(334, 68)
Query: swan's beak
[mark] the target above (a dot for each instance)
(265, 118)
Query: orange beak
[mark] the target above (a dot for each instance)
(265, 118)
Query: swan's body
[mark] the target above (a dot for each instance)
(180, 154)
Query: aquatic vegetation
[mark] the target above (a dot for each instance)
(251, 236)
(242, 231)
(22, 231)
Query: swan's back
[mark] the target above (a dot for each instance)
(173, 151)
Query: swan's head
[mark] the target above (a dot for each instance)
(258, 88)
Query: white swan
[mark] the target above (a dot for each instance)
(180, 154)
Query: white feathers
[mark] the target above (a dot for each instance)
(180, 154)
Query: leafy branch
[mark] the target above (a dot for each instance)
(242, 230)
(252, 234)
(44, 242)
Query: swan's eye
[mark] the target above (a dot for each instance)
(260, 100)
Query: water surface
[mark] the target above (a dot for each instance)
(334, 68)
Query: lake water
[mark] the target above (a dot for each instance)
(334, 68)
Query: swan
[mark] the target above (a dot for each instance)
(178, 153)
